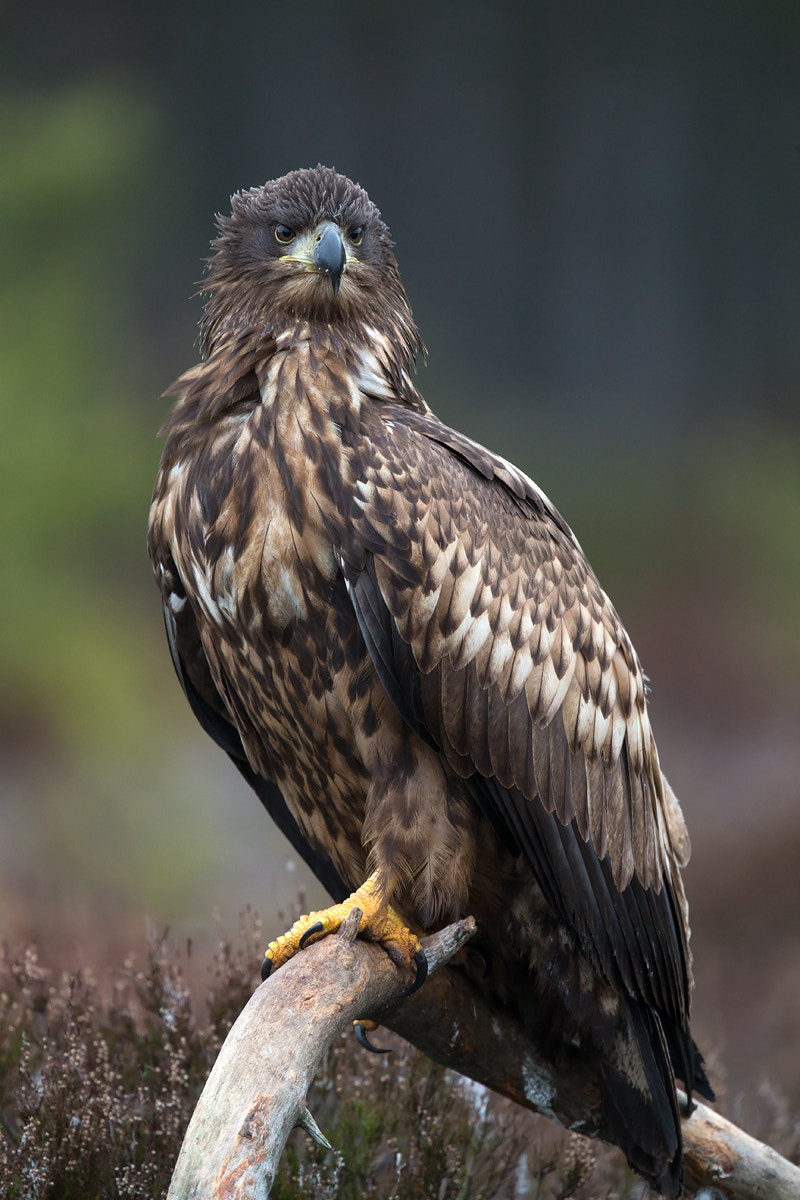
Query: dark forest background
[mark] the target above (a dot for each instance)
(595, 208)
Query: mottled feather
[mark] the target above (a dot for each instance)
(400, 644)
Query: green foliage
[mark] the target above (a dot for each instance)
(76, 461)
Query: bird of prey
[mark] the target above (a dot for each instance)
(401, 645)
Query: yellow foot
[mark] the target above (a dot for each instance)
(379, 923)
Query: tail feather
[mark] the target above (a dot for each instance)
(687, 1063)
(637, 1090)
(700, 1083)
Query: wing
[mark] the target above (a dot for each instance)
(192, 669)
(526, 672)
(493, 637)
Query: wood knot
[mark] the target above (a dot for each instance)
(249, 1126)
(348, 930)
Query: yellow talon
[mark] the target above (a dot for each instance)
(379, 923)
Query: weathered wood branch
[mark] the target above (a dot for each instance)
(256, 1093)
(449, 1022)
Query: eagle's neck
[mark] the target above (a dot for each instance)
(353, 364)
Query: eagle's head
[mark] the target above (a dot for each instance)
(309, 247)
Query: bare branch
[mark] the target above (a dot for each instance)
(256, 1093)
(717, 1154)
(449, 1021)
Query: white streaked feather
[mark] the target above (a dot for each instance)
(423, 605)
(618, 734)
(499, 655)
(562, 686)
(463, 587)
(520, 671)
(477, 633)
(441, 560)
(207, 601)
(598, 736)
(585, 722)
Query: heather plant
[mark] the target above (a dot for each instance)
(406, 1129)
(99, 1077)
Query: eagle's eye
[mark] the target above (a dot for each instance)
(284, 234)
(356, 234)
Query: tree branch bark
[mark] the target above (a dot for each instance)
(256, 1092)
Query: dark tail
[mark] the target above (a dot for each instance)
(637, 1090)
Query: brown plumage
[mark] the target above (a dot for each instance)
(396, 628)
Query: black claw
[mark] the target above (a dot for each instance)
(422, 975)
(363, 1040)
(266, 967)
(317, 927)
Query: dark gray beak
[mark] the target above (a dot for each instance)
(330, 256)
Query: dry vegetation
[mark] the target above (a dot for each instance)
(100, 1076)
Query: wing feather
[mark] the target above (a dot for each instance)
(524, 678)
(194, 675)
(505, 602)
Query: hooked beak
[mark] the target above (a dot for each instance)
(330, 255)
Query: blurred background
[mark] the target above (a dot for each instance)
(595, 209)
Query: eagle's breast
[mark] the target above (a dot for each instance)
(248, 511)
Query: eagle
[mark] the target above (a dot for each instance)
(400, 644)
